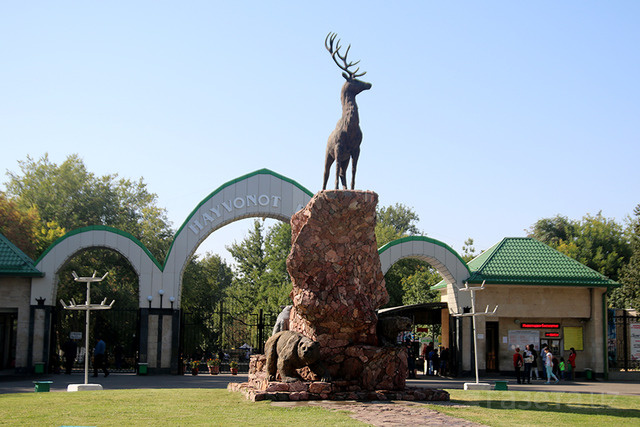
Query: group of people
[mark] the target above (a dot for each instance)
(435, 362)
(70, 350)
(528, 360)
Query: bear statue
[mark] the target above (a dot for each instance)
(287, 351)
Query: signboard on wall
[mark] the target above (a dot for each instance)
(520, 338)
(573, 338)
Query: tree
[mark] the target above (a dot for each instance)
(395, 222)
(468, 250)
(261, 280)
(595, 241)
(25, 229)
(73, 197)
(417, 286)
(628, 296)
(203, 285)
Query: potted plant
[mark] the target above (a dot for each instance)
(233, 365)
(214, 366)
(194, 366)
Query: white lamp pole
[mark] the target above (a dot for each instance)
(87, 307)
(473, 316)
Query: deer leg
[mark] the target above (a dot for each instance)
(337, 170)
(343, 173)
(328, 161)
(354, 163)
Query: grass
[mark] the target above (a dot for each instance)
(509, 408)
(214, 407)
(209, 407)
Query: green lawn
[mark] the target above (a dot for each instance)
(219, 407)
(155, 407)
(509, 408)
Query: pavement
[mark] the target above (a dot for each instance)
(121, 381)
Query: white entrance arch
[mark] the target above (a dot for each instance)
(96, 236)
(262, 193)
(439, 255)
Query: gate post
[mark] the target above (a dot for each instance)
(625, 339)
(261, 332)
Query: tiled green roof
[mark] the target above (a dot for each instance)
(526, 261)
(13, 262)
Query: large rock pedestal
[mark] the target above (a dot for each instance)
(338, 285)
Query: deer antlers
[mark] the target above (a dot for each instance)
(351, 74)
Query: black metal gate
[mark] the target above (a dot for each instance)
(226, 330)
(623, 342)
(118, 328)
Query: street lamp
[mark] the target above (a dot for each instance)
(172, 300)
(161, 293)
(87, 307)
(150, 298)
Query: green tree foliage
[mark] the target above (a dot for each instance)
(395, 222)
(261, 280)
(468, 250)
(25, 229)
(595, 241)
(203, 286)
(628, 296)
(73, 197)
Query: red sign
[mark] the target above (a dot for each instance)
(552, 334)
(422, 329)
(540, 325)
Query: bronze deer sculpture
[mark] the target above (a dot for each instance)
(344, 142)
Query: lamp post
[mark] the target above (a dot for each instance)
(87, 307)
(150, 298)
(473, 314)
(161, 293)
(172, 300)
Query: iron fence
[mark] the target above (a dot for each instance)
(623, 342)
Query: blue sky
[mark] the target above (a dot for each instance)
(483, 116)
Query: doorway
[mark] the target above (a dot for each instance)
(8, 334)
(492, 346)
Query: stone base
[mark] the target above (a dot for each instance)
(84, 387)
(304, 390)
(477, 386)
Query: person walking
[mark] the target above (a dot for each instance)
(70, 349)
(548, 364)
(534, 364)
(528, 362)
(99, 358)
(517, 364)
(572, 362)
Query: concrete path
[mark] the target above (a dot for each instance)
(24, 384)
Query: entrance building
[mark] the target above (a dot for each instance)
(543, 296)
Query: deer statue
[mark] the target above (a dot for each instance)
(344, 141)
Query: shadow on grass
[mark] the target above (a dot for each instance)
(581, 404)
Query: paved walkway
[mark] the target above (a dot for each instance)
(24, 384)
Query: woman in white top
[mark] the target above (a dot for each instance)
(548, 364)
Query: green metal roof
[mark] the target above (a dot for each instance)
(14, 262)
(526, 261)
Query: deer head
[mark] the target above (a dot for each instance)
(353, 84)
